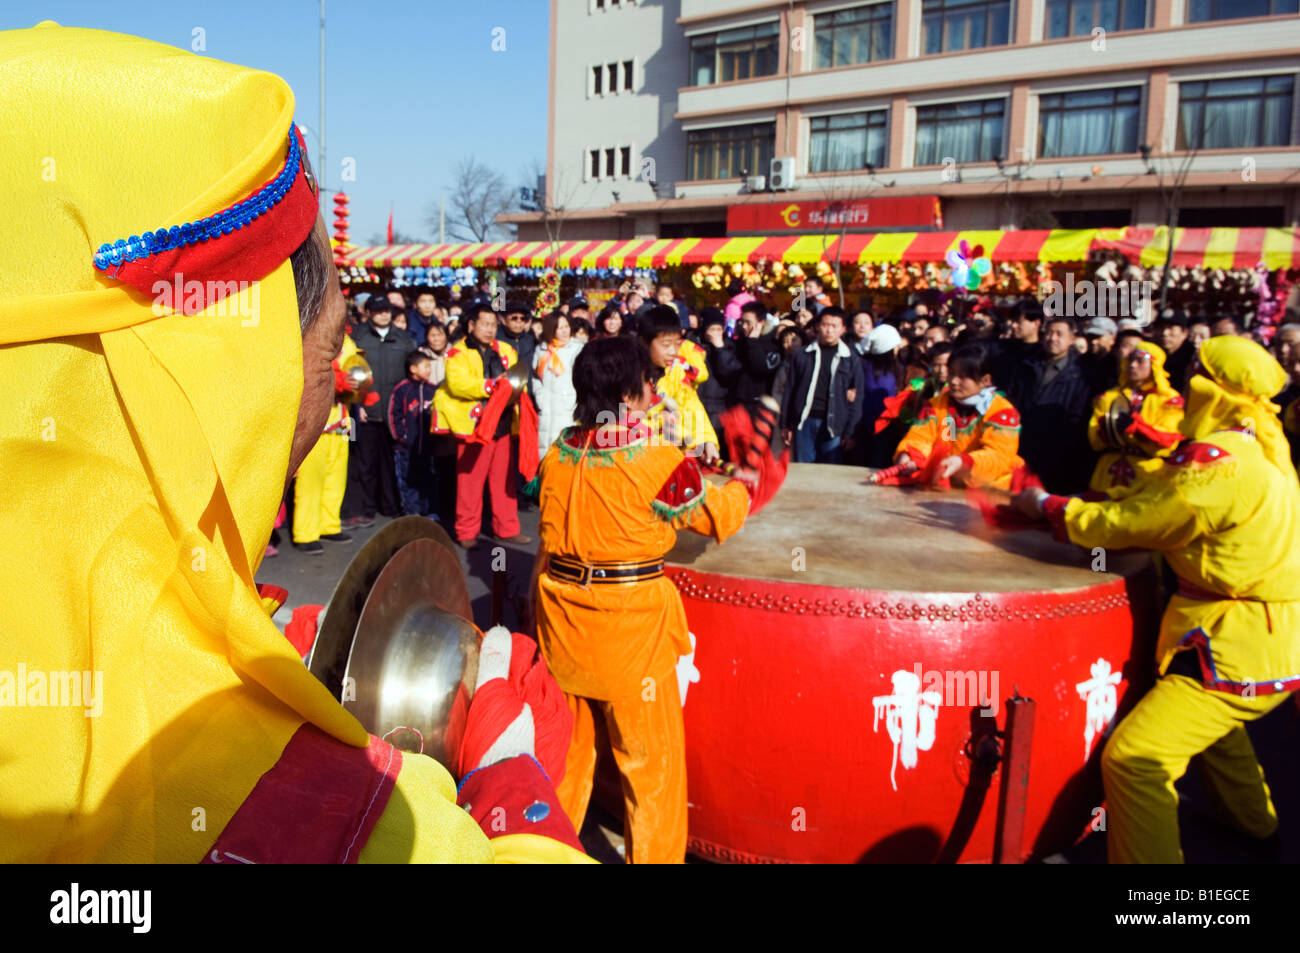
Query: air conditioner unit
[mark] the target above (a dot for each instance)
(782, 174)
(756, 183)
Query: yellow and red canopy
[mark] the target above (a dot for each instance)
(1206, 247)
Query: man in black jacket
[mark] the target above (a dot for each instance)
(1172, 335)
(372, 485)
(820, 408)
(724, 368)
(514, 330)
(1054, 397)
(759, 353)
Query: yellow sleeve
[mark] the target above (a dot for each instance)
(1156, 517)
(920, 440)
(696, 428)
(465, 376)
(1163, 415)
(997, 454)
(1099, 407)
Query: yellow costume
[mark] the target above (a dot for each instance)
(161, 442)
(1225, 512)
(678, 384)
(617, 496)
(1136, 451)
(987, 442)
(694, 355)
(458, 403)
(323, 475)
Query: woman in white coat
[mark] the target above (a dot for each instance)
(553, 380)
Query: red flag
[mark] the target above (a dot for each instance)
(390, 225)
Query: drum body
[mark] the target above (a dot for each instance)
(855, 648)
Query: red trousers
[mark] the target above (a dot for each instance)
(490, 462)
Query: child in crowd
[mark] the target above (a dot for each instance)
(408, 421)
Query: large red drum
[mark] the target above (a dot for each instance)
(855, 650)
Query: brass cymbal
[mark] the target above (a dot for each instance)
(414, 659)
(329, 656)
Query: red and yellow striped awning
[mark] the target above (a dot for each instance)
(1208, 247)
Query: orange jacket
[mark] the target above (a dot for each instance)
(988, 444)
(620, 502)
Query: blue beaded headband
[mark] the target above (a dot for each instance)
(114, 254)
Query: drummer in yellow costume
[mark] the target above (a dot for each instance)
(676, 380)
(1225, 512)
(171, 381)
(1135, 424)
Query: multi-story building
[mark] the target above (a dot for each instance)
(666, 116)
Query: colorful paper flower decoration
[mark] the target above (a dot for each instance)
(969, 266)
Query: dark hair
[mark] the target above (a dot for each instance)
(754, 308)
(580, 324)
(1029, 311)
(784, 334)
(1062, 319)
(551, 323)
(832, 311)
(816, 280)
(605, 313)
(519, 307)
(1237, 326)
(661, 319)
(735, 286)
(970, 360)
(475, 311)
(414, 358)
(606, 373)
(943, 347)
(313, 270)
(1129, 333)
(664, 284)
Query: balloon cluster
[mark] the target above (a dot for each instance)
(969, 265)
(433, 276)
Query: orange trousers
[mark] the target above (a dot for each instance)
(649, 745)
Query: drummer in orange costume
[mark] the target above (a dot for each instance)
(968, 433)
(611, 625)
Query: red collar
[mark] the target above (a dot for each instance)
(607, 438)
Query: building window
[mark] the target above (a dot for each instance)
(734, 54)
(852, 141)
(730, 151)
(1081, 17)
(1202, 11)
(960, 132)
(609, 163)
(595, 164)
(627, 76)
(625, 161)
(1235, 113)
(859, 35)
(597, 80)
(952, 25)
(1089, 123)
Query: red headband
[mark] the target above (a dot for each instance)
(202, 262)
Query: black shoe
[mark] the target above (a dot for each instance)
(314, 548)
(336, 537)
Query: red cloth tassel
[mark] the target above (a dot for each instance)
(496, 405)
(301, 630)
(529, 461)
(497, 703)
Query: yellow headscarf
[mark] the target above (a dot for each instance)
(142, 458)
(1242, 378)
(1159, 382)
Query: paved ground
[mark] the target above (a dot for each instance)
(311, 579)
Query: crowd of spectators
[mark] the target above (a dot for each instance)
(833, 371)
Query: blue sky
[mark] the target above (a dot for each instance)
(410, 88)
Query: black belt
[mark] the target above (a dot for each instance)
(568, 569)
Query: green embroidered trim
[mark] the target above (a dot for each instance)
(533, 487)
(669, 513)
(595, 456)
(989, 423)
